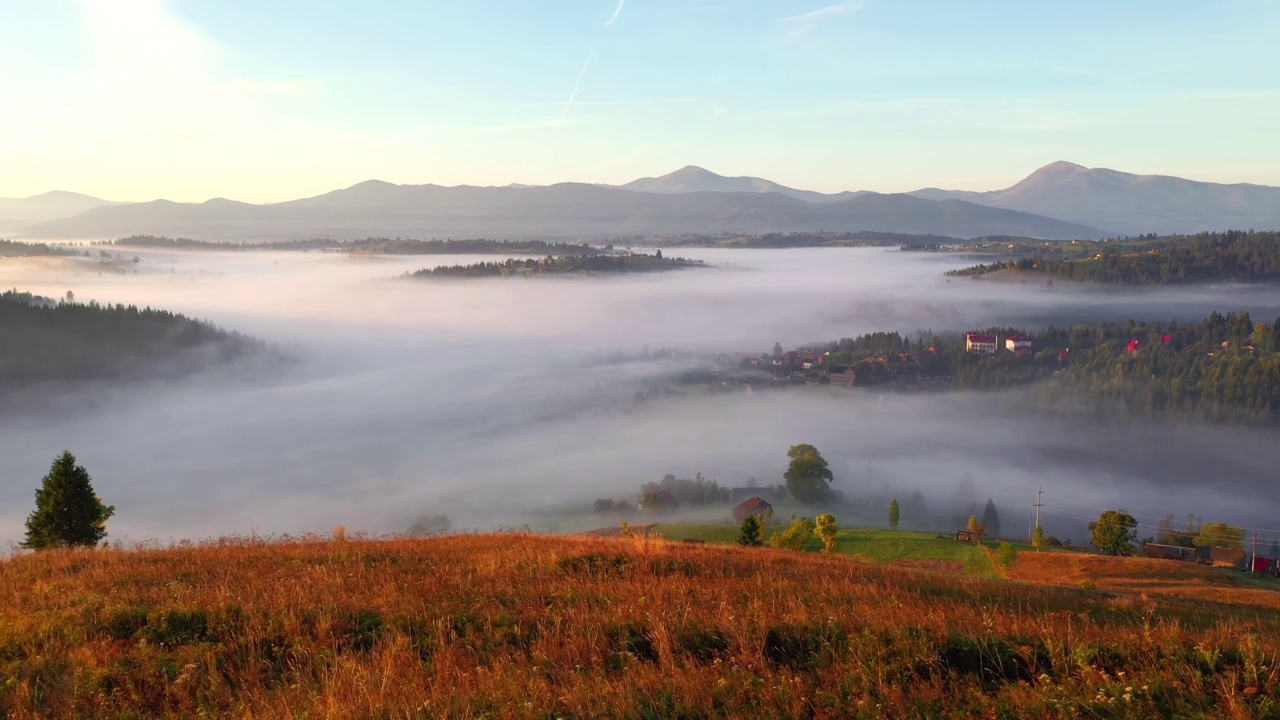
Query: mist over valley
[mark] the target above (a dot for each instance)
(506, 403)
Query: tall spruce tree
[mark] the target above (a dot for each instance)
(751, 531)
(991, 519)
(67, 512)
(894, 514)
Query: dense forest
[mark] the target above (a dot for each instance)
(10, 248)
(373, 245)
(805, 239)
(66, 343)
(1224, 368)
(563, 265)
(1231, 256)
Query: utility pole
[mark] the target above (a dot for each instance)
(1039, 504)
(1254, 562)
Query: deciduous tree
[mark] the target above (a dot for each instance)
(827, 531)
(808, 477)
(1114, 532)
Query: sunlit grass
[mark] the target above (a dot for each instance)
(546, 626)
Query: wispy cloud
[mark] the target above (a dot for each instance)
(576, 86)
(616, 12)
(797, 26)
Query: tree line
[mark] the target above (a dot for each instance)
(48, 341)
(1230, 256)
(375, 245)
(559, 265)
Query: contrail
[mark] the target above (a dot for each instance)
(617, 11)
(585, 66)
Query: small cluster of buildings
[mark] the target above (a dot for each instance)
(1233, 558)
(983, 344)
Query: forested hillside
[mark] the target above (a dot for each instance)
(50, 342)
(1231, 256)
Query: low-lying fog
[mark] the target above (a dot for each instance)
(491, 400)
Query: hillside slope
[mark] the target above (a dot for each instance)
(536, 626)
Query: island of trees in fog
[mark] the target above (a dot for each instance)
(562, 265)
(1231, 256)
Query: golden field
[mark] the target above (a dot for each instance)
(518, 625)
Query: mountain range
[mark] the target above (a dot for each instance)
(1060, 200)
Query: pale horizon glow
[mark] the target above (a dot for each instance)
(134, 100)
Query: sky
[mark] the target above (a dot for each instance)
(189, 100)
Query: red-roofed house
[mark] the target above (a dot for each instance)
(1019, 345)
(750, 506)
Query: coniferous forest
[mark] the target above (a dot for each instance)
(563, 265)
(1231, 256)
(59, 342)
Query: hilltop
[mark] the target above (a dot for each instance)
(543, 626)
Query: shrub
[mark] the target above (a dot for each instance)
(1006, 555)
(795, 537)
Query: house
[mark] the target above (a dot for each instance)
(843, 375)
(980, 343)
(1168, 552)
(1270, 566)
(751, 506)
(1227, 557)
(1019, 345)
(966, 535)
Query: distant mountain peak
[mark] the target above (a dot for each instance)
(1060, 166)
(372, 184)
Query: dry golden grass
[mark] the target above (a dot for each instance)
(1168, 579)
(538, 626)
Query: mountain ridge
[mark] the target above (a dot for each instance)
(570, 211)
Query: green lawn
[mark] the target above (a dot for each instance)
(891, 545)
(880, 546)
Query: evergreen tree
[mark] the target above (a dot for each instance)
(750, 533)
(894, 514)
(67, 510)
(991, 519)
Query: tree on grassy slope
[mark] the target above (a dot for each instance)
(68, 512)
(1114, 532)
(894, 514)
(808, 477)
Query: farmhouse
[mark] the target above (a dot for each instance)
(750, 506)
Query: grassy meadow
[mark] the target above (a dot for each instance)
(520, 625)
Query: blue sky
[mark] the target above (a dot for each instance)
(264, 101)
